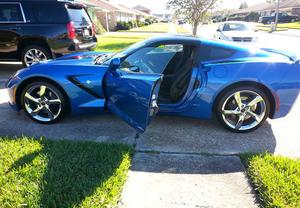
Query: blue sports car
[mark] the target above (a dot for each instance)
(175, 75)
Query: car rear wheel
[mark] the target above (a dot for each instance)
(34, 54)
(243, 109)
(43, 102)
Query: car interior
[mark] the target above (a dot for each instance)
(177, 76)
(174, 61)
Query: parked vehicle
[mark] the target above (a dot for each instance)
(32, 31)
(181, 21)
(236, 31)
(282, 18)
(176, 75)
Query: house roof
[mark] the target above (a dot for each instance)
(141, 8)
(137, 12)
(290, 4)
(268, 6)
(254, 8)
(104, 5)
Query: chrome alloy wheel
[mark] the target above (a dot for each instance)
(34, 56)
(244, 110)
(42, 103)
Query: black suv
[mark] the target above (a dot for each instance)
(37, 30)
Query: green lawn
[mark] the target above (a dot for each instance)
(263, 27)
(156, 27)
(42, 173)
(113, 42)
(118, 41)
(276, 178)
(280, 27)
(292, 25)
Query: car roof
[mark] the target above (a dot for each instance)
(235, 22)
(189, 39)
(184, 38)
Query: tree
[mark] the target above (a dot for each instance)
(243, 5)
(192, 10)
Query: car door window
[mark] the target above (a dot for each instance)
(151, 59)
(10, 12)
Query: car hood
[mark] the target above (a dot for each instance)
(74, 59)
(239, 34)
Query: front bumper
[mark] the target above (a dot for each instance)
(11, 86)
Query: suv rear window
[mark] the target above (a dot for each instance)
(10, 12)
(46, 12)
(78, 14)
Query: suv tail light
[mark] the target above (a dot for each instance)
(71, 30)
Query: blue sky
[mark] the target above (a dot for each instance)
(158, 6)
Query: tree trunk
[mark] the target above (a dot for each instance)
(195, 28)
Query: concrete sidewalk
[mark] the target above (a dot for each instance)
(186, 181)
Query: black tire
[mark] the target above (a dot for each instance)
(44, 50)
(55, 92)
(225, 96)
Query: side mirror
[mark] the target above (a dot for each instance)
(115, 63)
(218, 30)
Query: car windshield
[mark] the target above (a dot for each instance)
(237, 27)
(105, 60)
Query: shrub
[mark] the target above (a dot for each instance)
(252, 17)
(123, 26)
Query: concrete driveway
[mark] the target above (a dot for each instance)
(165, 134)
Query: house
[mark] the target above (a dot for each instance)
(142, 9)
(109, 14)
(141, 16)
(264, 9)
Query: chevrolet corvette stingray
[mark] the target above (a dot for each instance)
(174, 75)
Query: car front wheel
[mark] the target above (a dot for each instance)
(243, 109)
(43, 102)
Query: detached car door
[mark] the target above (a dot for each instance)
(131, 87)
